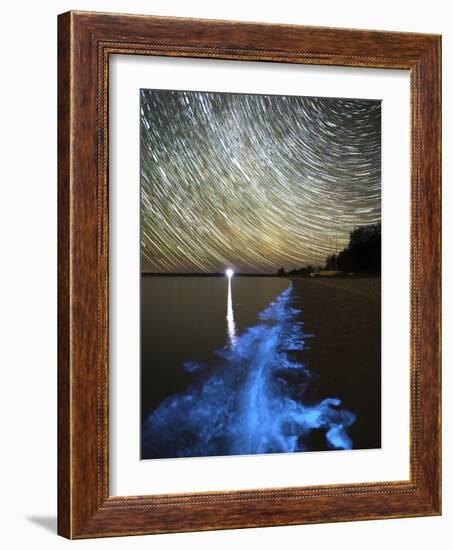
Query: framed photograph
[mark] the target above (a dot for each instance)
(249, 275)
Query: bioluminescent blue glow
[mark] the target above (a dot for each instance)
(252, 401)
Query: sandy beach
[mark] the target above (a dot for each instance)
(344, 354)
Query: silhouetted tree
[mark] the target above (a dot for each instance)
(331, 262)
(363, 253)
(281, 271)
(303, 271)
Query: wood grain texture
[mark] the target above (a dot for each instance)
(85, 42)
(64, 367)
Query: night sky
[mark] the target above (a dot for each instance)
(254, 182)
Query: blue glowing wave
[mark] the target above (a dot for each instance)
(252, 402)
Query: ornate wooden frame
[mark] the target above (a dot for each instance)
(85, 41)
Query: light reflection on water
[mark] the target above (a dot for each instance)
(231, 325)
(253, 401)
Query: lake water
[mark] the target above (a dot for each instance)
(218, 374)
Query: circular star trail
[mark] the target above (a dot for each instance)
(254, 182)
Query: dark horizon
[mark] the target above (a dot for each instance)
(205, 274)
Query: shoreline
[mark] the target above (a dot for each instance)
(344, 355)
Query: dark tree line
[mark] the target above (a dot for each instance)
(363, 253)
(302, 272)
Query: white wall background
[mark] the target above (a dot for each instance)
(28, 216)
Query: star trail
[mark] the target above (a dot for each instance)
(254, 182)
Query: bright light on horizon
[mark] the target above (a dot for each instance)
(229, 273)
